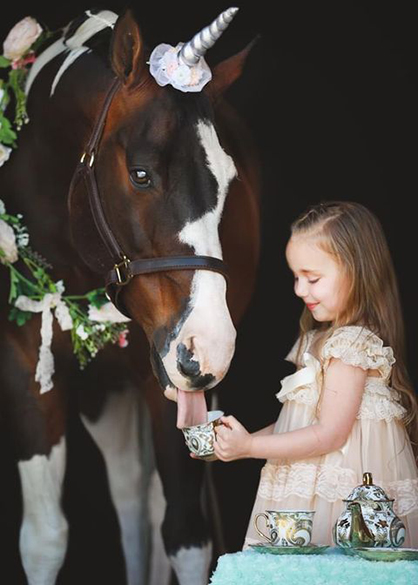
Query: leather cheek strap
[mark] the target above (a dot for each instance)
(124, 270)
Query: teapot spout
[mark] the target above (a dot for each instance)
(359, 535)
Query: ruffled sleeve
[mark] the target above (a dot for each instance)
(358, 346)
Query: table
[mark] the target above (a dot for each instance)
(331, 567)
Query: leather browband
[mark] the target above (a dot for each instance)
(124, 269)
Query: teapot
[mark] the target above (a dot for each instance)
(369, 519)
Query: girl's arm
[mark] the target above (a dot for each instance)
(265, 431)
(341, 397)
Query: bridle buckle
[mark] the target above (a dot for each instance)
(90, 157)
(123, 274)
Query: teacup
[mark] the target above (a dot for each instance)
(200, 438)
(287, 527)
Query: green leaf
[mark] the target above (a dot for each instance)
(97, 297)
(13, 287)
(7, 134)
(17, 84)
(20, 317)
(4, 62)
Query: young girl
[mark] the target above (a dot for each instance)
(349, 408)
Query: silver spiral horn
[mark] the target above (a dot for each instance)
(192, 51)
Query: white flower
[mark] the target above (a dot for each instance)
(4, 153)
(107, 313)
(2, 208)
(81, 332)
(22, 239)
(166, 67)
(21, 38)
(7, 243)
(181, 75)
(60, 286)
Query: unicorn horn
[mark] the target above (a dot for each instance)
(192, 51)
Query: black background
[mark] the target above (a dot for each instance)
(330, 95)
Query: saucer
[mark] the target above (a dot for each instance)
(383, 553)
(309, 549)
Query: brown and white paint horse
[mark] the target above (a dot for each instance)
(176, 177)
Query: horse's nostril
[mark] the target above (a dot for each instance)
(187, 365)
(188, 369)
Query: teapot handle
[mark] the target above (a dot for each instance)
(257, 528)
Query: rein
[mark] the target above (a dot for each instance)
(124, 269)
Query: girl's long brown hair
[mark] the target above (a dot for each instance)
(353, 235)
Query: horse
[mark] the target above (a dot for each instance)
(153, 192)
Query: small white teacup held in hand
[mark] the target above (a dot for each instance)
(287, 527)
(200, 438)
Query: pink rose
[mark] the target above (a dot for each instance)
(123, 342)
(21, 63)
(21, 38)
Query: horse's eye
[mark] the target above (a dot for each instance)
(140, 178)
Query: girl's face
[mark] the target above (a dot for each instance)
(319, 281)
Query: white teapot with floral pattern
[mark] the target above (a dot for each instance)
(369, 519)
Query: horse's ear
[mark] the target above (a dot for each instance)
(225, 73)
(127, 54)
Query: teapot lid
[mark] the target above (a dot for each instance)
(368, 491)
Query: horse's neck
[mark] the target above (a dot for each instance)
(38, 175)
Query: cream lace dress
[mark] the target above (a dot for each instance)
(377, 443)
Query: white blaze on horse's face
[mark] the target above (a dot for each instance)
(206, 340)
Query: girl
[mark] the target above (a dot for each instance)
(349, 407)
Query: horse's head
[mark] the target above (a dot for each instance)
(163, 177)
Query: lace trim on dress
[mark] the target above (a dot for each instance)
(331, 483)
(380, 402)
(405, 494)
(305, 394)
(357, 346)
(306, 480)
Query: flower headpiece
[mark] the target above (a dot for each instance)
(184, 66)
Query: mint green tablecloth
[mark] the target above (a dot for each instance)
(329, 568)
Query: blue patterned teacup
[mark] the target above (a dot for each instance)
(200, 438)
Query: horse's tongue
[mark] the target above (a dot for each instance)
(191, 408)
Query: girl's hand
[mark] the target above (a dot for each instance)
(233, 441)
(193, 456)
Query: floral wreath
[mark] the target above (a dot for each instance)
(93, 322)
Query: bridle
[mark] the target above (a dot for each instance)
(124, 269)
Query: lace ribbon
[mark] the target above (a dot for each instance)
(45, 366)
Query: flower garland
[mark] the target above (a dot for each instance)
(93, 322)
(19, 52)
